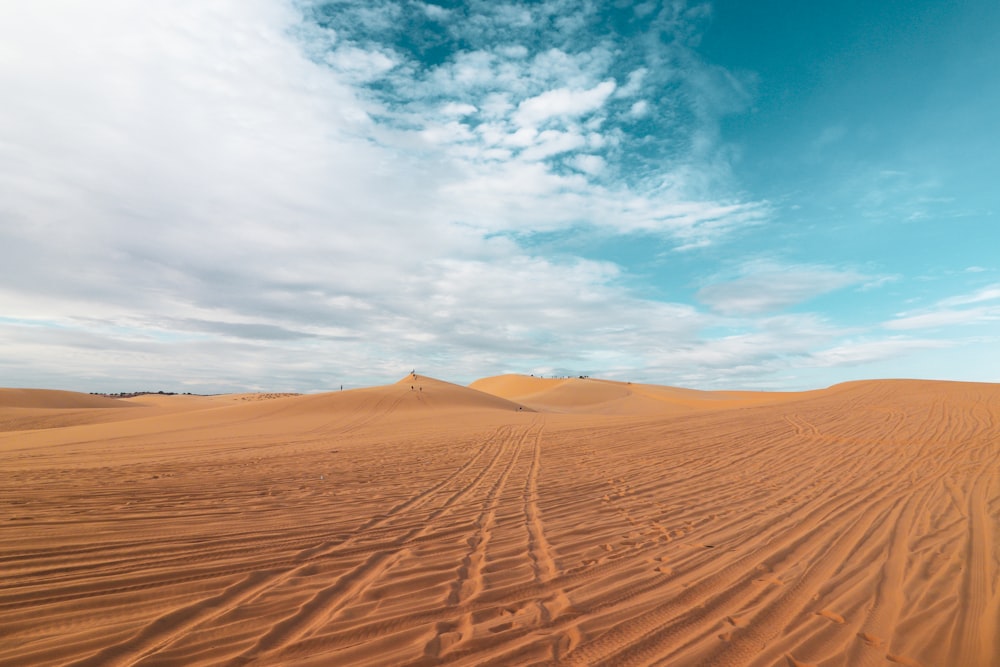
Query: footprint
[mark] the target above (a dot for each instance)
(792, 662)
(447, 636)
(555, 605)
(902, 660)
(737, 621)
(440, 644)
(770, 580)
(566, 642)
(833, 616)
(871, 640)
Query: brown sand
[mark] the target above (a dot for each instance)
(521, 521)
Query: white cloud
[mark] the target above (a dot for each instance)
(945, 317)
(562, 103)
(360, 65)
(766, 289)
(590, 164)
(948, 312)
(988, 293)
(639, 109)
(633, 84)
(749, 356)
(222, 193)
(436, 12)
(458, 109)
(553, 142)
(860, 352)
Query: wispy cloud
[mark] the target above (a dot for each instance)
(296, 194)
(950, 312)
(290, 179)
(988, 293)
(945, 317)
(892, 196)
(542, 91)
(853, 353)
(768, 288)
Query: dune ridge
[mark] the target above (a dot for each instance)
(55, 399)
(515, 521)
(596, 396)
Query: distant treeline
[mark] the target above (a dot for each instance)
(133, 394)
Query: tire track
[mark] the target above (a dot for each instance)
(539, 550)
(638, 641)
(488, 600)
(469, 585)
(747, 642)
(167, 629)
(853, 531)
(654, 632)
(884, 612)
(690, 598)
(326, 603)
(470, 576)
(313, 552)
(978, 622)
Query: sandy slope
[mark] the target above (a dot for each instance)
(617, 525)
(55, 399)
(592, 396)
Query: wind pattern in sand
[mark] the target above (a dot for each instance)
(518, 522)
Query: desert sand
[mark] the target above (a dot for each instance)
(517, 521)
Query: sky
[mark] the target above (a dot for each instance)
(291, 195)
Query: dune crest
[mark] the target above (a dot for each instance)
(595, 396)
(55, 399)
(425, 523)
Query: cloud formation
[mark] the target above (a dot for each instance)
(955, 310)
(243, 174)
(770, 288)
(293, 195)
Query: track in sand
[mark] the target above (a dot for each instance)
(520, 521)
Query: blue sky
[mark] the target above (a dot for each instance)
(268, 194)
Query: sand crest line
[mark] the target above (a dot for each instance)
(517, 521)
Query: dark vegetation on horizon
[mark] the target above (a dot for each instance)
(133, 394)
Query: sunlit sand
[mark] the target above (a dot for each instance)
(517, 521)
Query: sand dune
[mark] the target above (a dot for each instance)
(54, 399)
(27, 409)
(593, 396)
(413, 393)
(617, 524)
